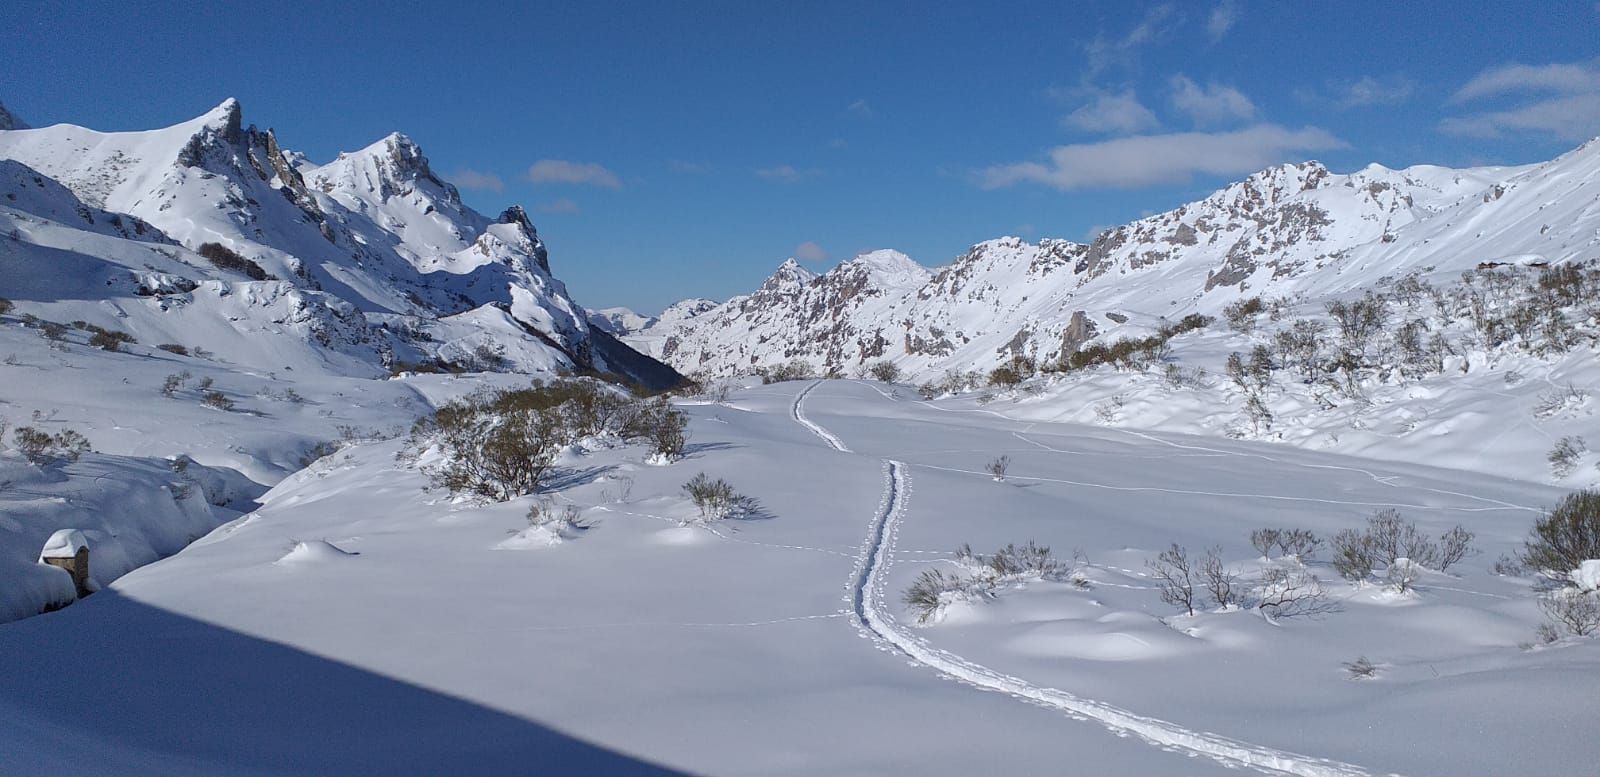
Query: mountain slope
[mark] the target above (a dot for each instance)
(1292, 231)
(375, 230)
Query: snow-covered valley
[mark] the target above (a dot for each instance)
(779, 645)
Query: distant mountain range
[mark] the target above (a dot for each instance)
(1296, 231)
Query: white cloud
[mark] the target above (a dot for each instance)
(1363, 92)
(784, 173)
(560, 205)
(472, 179)
(1119, 113)
(1221, 20)
(1575, 118)
(581, 173)
(1104, 52)
(1150, 160)
(861, 108)
(811, 253)
(1574, 78)
(1561, 99)
(1211, 104)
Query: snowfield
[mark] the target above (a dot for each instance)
(353, 622)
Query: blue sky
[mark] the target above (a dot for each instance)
(673, 149)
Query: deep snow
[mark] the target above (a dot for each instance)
(418, 646)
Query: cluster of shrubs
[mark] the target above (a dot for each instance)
(1396, 547)
(40, 447)
(226, 258)
(794, 369)
(1280, 592)
(501, 444)
(102, 338)
(1137, 353)
(983, 574)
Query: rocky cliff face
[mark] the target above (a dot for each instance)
(1295, 230)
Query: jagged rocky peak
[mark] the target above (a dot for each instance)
(9, 120)
(517, 217)
(789, 277)
(219, 128)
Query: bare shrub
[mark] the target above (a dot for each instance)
(1454, 545)
(170, 386)
(1508, 566)
(565, 521)
(1361, 668)
(216, 400)
(1218, 579)
(109, 339)
(40, 447)
(1285, 593)
(717, 500)
(664, 428)
(492, 449)
(884, 371)
(1241, 314)
(795, 369)
(1566, 536)
(1564, 456)
(931, 591)
(1264, 540)
(1402, 573)
(997, 468)
(1174, 576)
(228, 259)
(173, 348)
(1354, 556)
(1302, 543)
(1577, 611)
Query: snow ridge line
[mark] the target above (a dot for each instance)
(800, 417)
(867, 612)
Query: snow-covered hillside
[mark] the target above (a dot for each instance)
(372, 259)
(1296, 231)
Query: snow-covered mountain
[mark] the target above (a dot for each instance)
(1297, 231)
(371, 259)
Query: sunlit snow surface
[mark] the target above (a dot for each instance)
(644, 644)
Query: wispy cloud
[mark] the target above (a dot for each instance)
(1150, 160)
(1560, 99)
(1515, 78)
(1117, 113)
(1221, 20)
(579, 173)
(472, 179)
(560, 205)
(690, 168)
(1104, 52)
(1363, 92)
(1212, 103)
(784, 174)
(811, 252)
(861, 108)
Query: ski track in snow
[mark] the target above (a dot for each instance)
(872, 619)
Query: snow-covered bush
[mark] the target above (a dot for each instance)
(1566, 536)
(565, 522)
(716, 499)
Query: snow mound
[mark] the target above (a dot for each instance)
(63, 544)
(315, 552)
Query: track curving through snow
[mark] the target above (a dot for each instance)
(870, 615)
